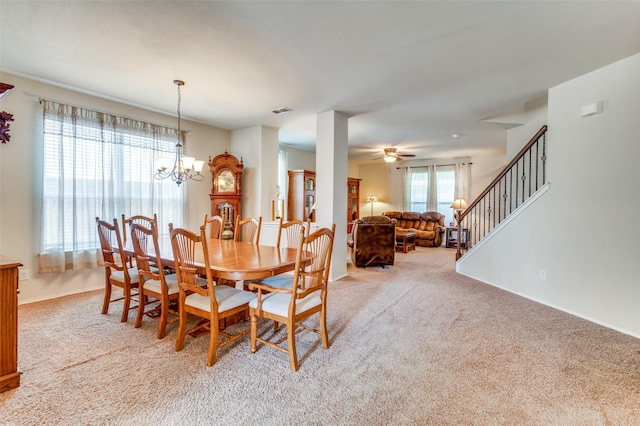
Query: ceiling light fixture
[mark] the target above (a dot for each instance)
(183, 167)
(390, 155)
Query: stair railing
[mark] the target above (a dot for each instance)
(520, 179)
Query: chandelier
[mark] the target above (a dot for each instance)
(183, 168)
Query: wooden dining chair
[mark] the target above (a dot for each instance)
(153, 283)
(289, 235)
(307, 295)
(215, 226)
(145, 221)
(289, 232)
(213, 303)
(116, 269)
(248, 230)
(142, 220)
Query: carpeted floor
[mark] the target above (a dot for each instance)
(411, 344)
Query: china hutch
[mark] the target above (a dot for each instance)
(353, 201)
(226, 190)
(302, 195)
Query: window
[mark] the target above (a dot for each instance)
(422, 181)
(419, 190)
(446, 179)
(99, 165)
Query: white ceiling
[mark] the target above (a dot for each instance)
(409, 74)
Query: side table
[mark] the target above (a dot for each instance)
(451, 237)
(405, 241)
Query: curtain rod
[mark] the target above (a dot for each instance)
(40, 100)
(422, 167)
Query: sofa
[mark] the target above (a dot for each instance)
(429, 226)
(373, 241)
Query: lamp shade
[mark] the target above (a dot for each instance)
(197, 165)
(187, 162)
(459, 204)
(162, 162)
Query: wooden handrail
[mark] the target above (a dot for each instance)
(508, 167)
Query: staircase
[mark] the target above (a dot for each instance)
(517, 182)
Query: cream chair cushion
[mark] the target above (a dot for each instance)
(278, 303)
(279, 281)
(172, 284)
(227, 297)
(119, 275)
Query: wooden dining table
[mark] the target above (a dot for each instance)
(233, 260)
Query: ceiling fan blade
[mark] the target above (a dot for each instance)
(406, 155)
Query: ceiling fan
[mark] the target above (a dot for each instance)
(391, 155)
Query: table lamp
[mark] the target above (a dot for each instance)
(458, 206)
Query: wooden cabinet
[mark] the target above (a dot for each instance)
(302, 195)
(9, 375)
(353, 201)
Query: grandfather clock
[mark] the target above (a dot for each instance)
(226, 190)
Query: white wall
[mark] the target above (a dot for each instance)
(571, 232)
(258, 148)
(299, 159)
(20, 179)
(533, 117)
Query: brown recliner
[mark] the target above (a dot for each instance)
(373, 241)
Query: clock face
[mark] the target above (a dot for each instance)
(226, 181)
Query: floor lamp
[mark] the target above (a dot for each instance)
(372, 199)
(458, 206)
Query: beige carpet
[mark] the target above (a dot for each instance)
(410, 344)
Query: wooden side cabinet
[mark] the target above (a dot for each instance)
(302, 195)
(353, 202)
(9, 375)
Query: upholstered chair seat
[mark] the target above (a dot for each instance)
(227, 297)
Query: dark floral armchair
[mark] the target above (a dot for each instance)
(373, 241)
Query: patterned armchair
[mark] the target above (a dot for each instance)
(373, 241)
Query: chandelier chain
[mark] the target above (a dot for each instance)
(184, 168)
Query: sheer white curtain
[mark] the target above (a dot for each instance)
(281, 193)
(405, 181)
(432, 193)
(463, 182)
(98, 165)
(283, 176)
